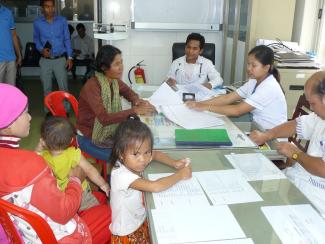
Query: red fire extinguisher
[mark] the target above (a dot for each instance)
(140, 77)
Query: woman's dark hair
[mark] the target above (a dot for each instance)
(127, 134)
(105, 57)
(265, 56)
(57, 132)
(196, 37)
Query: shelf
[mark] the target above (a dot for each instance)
(111, 36)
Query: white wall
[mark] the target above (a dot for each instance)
(305, 22)
(155, 47)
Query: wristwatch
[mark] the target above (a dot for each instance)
(295, 156)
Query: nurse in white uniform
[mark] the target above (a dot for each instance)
(193, 68)
(261, 95)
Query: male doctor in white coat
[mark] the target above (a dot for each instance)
(193, 68)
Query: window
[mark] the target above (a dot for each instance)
(82, 10)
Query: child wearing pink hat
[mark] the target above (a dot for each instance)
(27, 181)
(14, 116)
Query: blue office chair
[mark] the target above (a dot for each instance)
(209, 51)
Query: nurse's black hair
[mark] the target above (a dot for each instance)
(105, 57)
(265, 56)
(127, 135)
(196, 37)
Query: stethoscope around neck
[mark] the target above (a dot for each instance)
(179, 64)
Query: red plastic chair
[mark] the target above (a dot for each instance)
(54, 101)
(40, 226)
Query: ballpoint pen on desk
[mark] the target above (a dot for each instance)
(241, 137)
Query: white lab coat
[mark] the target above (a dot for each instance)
(200, 72)
(267, 99)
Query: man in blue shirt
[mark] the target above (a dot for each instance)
(9, 45)
(52, 39)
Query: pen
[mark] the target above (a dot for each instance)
(241, 137)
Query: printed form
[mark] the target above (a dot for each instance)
(226, 187)
(234, 241)
(184, 193)
(255, 166)
(187, 224)
(296, 223)
(218, 187)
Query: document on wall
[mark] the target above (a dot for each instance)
(226, 187)
(179, 225)
(201, 92)
(255, 166)
(164, 95)
(296, 223)
(234, 241)
(184, 193)
(189, 118)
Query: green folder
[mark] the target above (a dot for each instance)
(202, 137)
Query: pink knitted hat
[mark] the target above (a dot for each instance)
(12, 103)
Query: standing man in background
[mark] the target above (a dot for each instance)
(9, 45)
(52, 39)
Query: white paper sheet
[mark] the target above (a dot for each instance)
(190, 119)
(201, 92)
(179, 225)
(296, 223)
(255, 166)
(184, 193)
(226, 187)
(234, 241)
(164, 95)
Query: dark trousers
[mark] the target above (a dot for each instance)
(84, 62)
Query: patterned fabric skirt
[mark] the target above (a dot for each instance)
(140, 236)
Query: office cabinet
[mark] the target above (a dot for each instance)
(292, 82)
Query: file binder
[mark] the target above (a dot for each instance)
(202, 137)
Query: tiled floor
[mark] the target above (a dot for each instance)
(33, 89)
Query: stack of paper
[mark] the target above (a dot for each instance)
(201, 92)
(166, 100)
(189, 118)
(164, 95)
